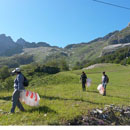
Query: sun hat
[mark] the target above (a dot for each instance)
(16, 70)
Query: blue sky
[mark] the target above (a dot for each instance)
(61, 22)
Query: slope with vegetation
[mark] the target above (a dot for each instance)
(121, 56)
(61, 95)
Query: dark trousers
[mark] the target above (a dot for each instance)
(16, 102)
(83, 86)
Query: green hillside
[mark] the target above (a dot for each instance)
(62, 98)
(86, 52)
(40, 53)
(122, 36)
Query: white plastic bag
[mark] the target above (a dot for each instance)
(100, 88)
(88, 82)
(29, 98)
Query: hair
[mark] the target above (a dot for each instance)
(83, 72)
(103, 72)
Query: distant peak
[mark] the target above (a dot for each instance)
(21, 41)
(3, 38)
(2, 35)
(128, 24)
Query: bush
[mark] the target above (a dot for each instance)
(60, 63)
(47, 69)
(8, 83)
(63, 65)
(4, 73)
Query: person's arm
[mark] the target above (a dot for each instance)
(80, 78)
(102, 80)
(105, 78)
(19, 79)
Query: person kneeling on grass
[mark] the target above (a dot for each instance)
(83, 79)
(105, 80)
(18, 86)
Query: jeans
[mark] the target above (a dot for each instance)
(104, 86)
(16, 102)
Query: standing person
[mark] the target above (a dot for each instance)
(105, 80)
(83, 79)
(18, 86)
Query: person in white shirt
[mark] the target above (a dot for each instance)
(105, 80)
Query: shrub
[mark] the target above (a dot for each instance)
(8, 83)
(4, 73)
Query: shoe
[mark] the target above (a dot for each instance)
(10, 113)
(23, 110)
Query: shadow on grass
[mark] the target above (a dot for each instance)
(118, 97)
(42, 109)
(8, 98)
(66, 99)
(92, 91)
(110, 95)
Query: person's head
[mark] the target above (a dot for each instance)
(83, 72)
(103, 73)
(16, 71)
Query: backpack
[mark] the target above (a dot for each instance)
(25, 82)
(107, 79)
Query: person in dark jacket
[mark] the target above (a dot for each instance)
(18, 87)
(83, 79)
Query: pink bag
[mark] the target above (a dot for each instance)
(101, 91)
(100, 88)
(88, 83)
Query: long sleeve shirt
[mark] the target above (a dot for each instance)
(83, 78)
(104, 79)
(18, 82)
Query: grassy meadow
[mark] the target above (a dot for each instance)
(62, 98)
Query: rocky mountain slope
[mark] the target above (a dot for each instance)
(6, 43)
(73, 53)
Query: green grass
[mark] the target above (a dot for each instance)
(62, 98)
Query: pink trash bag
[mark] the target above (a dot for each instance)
(100, 88)
(29, 98)
(88, 83)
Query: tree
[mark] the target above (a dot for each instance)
(77, 66)
(8, 83)
(4, 73)
(47, 69)
(128, 61)
(53, 63)
(1, 87)
(63, 65)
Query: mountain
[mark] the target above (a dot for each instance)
(112, 48)
(73, 53)
(6, 43)
(26, 44)
(21, 41)
(121, 37)
(9, 48)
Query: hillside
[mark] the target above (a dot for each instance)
(74, 53)
(62, 99)
(122, 36)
